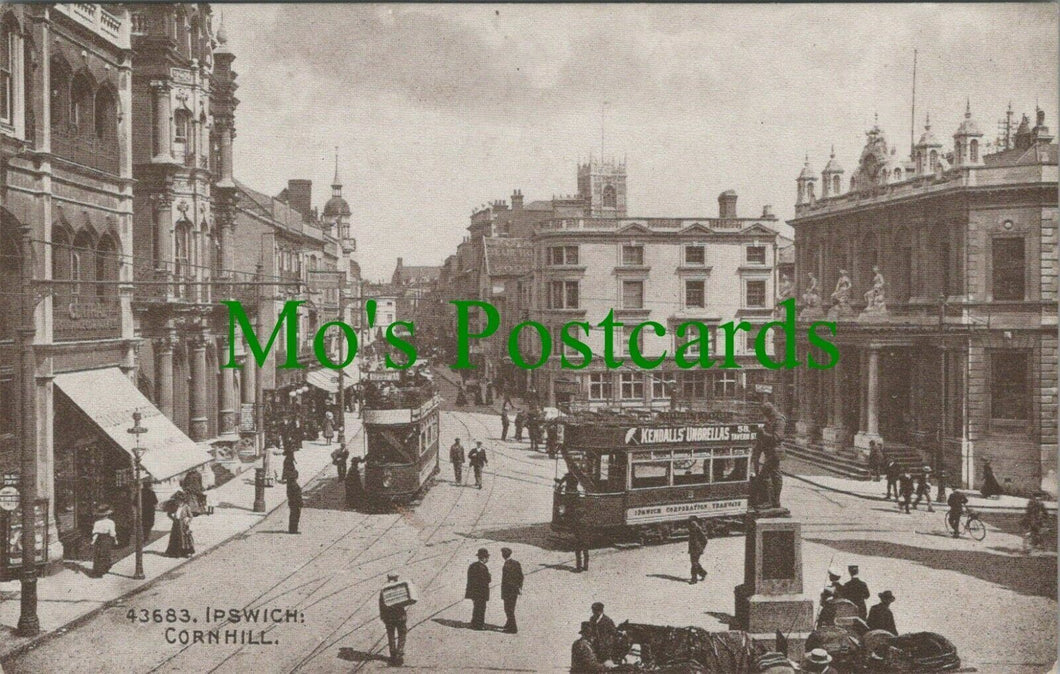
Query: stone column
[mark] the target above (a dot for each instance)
(872, 393)
(224, 127)
(164, 375)
(163, 135)
(198, 422)
(804, 391)
(229, 396)
(834, 435)
(164, 239)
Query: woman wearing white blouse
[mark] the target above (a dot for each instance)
(104, 537)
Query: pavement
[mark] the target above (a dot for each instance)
(876, 490)
(70, 596)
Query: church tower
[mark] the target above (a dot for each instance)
(927, 152)
(602, 185)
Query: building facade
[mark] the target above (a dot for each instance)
(713, 270)
(941, 273)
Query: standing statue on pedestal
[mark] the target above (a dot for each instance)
(874, 297)
(841, 295)
(765, 460)
(811, 299)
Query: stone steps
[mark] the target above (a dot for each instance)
(841, 463)
(848, 462)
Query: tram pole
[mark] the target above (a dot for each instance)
(259, 416)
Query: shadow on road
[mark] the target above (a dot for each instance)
(353, 655)
(461, 625)
(1029, 576)
(537, 535)
(666, 576)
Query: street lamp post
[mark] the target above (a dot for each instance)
(939, 469)
(138, 515)
(28, 620)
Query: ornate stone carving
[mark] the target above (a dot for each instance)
(786, 288)
(874, 298)
(841, 297)
(811, 298)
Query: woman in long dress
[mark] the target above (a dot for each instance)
(329, 427)
(104, 536)
(354, 488)
(181, 543)
(990, 483)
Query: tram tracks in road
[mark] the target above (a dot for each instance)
(330, 640)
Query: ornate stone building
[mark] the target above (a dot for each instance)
(183, 114)
(941, 272)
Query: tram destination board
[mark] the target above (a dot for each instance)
(700, 434)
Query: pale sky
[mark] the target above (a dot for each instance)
(439, 109)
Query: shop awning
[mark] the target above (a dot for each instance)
(327, 379)
(109, 399)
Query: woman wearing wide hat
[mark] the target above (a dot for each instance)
(181, 543)
(104, 537)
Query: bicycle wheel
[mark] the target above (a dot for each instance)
(976, 528)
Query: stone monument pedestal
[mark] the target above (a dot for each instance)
(771, 598)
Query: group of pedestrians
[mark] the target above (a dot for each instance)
(539, 431)
(478, 589)
(476, 458)
(879, 617)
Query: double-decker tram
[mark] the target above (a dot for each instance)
(400, 417)
(642, 476)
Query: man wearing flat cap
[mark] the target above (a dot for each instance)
(478, 589)
(880, 616)
(855, 590)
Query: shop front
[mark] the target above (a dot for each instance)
(94, 452)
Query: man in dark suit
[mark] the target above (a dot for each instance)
(504, 425)
(880, 616)
(697, 543)
(294, 503)
(604, 632)
(511, 588)
(855, 590)
(478, 589)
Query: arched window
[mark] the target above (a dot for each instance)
(181, 125)
(973, 150)
(107, 265)
(105, 115)
(610, 199)
(83, 267)
(8, 54)
(182, 255)
(958, 153)
(897, 175)
(82, 95)
(62, 261)
(835, 185)
(60, 93)
(934, 161)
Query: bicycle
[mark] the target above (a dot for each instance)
(969, 523)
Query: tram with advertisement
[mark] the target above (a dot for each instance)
(642, 476)
(400, 416)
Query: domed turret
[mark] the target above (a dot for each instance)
(966, 140)
(927, 152)
(336, 206)
(805, 183)
(831, 177)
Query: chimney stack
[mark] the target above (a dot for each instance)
(517, 200)
(727, 205)
(767, 212)
(300, 196)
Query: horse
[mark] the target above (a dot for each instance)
(687, 649)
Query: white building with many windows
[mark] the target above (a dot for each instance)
(672, 271)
